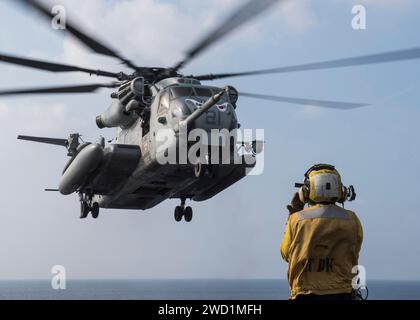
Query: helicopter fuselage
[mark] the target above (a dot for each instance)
(131, 174)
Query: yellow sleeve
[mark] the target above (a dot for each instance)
(359, 232)
(285, 244)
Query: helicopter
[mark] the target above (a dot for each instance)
(126, 172)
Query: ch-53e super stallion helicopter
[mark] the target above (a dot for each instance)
(125, 173)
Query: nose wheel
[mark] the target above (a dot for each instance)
(178, 213)
(182, 211)
(188, 214)
(95, 210)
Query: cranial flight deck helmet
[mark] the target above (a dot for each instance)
(322, 184)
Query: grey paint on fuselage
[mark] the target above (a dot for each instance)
(151, 183)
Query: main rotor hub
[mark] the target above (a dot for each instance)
(154, 74)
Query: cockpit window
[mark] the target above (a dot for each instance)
(187, 92)
(203, 92)
(178, 92)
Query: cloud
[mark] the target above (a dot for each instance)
(300, 16)
(55, 118)
(33, 116)
(4, 109)
(151, 33)
(157, 33)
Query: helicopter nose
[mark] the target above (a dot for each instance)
(217, 117)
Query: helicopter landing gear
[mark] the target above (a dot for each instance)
(182, 211)
(86, 206)
(84, 209)
(178, 213)
(95, 210)
(188, 214)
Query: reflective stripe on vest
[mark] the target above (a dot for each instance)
(323, 212)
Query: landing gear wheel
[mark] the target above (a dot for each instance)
(178, 213)
(199, 170)
(188, 214)
(84, 209)
(95, 210)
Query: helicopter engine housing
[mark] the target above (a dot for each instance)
(116, 116)
(122, 113)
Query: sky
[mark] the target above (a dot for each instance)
(237, 233)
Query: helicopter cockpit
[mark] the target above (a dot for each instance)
(175, 103)
(185, 100)
(180, 92)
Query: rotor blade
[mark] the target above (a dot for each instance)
(54, 141)
(392, 56)
(307, 102)
(66, 89)
(54, 67)
(242, 15)
(88, 40)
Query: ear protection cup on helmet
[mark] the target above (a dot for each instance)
(343, 197)
(303, 194)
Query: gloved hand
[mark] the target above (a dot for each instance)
(295, 205)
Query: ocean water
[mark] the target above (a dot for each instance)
(184, 290)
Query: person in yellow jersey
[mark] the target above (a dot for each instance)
(322, 241)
